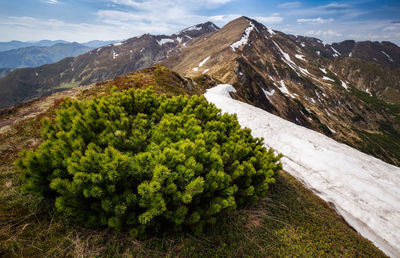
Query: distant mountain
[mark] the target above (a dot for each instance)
(4, 46)
(99, 43)
(99, 64)
(36, 56)
(15, 44)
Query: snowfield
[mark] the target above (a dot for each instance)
(363, 189)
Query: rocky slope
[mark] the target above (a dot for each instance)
(278, 72)
(383, 53)
(98, 64)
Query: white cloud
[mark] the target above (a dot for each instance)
(28, 28)
(185, 4)
(315, 20)
(290, 5)
(51, 1)
(267, 20)
(325, 33)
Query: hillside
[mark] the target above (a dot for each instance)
(291, 221)
(37, 56)
(98, 64)
(279, 74)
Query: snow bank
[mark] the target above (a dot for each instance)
(363, 189)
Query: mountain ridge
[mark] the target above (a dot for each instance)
(273, 71)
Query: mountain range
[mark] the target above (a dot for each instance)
(17, 54)
(15, 44)
(36, 56)
(349, 91)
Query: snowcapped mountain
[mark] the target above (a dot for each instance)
(361, 188)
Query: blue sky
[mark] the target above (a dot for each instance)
(84, 20)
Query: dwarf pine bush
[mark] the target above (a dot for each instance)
(137, 161)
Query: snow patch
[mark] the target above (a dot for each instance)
(367, 91)
(204, 61)
(302, 44)
(327, 79)
(323, 70)
(330, 129)
(268, 93)
(318, 52)
(344, 85)
(389, 57)
(164, 41)
(284, 90)
(179, 39)
(118, 44)
(336, 52)
(115, 55)
(271, 32)
(286, 57)
(301, 57)
(201, 64)
(364, 190)
(245, 38)
(205, 71)
(304, 71)
(195, 27)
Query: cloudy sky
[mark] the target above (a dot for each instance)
(84, 20)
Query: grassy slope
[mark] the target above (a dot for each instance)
(385, 142)
(291, 221)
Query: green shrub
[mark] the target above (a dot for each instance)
(141, 162)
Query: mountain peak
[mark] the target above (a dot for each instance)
(204, 27)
